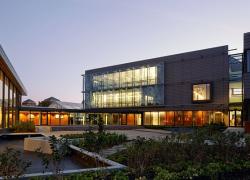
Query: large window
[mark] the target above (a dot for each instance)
(201, 92)
(126, 78)
(116, 98)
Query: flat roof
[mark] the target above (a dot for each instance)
(168, 58)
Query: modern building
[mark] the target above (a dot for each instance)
(11, 91)
(187, 89)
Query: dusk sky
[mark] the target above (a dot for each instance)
(52, 42)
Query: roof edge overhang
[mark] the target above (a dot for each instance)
(9, 69)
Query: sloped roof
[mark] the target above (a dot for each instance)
(65, 105)
(51, 99)
(29, 101)
(12, 70)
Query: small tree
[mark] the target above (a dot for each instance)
(11, 164)
(60, 150)
(100, 125)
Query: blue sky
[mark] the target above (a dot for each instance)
(52, 42)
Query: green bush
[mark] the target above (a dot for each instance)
(185, 156)
(21, 127)
(96, 141)
(11, 164)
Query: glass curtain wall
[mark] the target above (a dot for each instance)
(184, 118)
(123, 88)
(127, 78)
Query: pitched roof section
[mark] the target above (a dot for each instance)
(11, 69)
(65, 105)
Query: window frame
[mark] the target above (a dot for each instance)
(202, 101)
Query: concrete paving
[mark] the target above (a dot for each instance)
(131, 134)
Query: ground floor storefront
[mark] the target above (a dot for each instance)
(158, 118)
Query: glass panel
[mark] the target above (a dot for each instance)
(218, 117)
(116, 80)
(235, 92)
(152, 76)
(170, 118)
(6, 108)
(1, 99)
(232, 118)
(130, 119)
(187, 117)
(144, 76)
(238, 121)
(201, 92)
(137, 77)
(162, 118)
(178, 118)
(138, 119)
(155, 118)
(14, 106)
(147, 118)
(198, 118)
(123, 119)
(235, 67)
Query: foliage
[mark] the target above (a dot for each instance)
(60, 150)
(44, 103)
(100, 125)
(207, 152)
(12, 165)
(97, 175)
(19, 127)
(96, 141)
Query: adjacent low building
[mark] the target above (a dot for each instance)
(58, 113)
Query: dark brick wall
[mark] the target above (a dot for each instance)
(182, 71)
(246, 76)
(247, 40)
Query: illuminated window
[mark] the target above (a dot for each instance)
(201, 92)
(57, 116)
(236, 91)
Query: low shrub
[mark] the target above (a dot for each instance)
(187, 156)
(21, 127)
(11, 164)
(96, 141)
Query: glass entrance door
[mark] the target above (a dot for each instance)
(235, 118)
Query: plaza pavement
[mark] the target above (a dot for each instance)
(131, 134)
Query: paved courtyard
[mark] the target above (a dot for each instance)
(131, 134)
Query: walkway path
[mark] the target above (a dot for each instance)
(131, 134)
